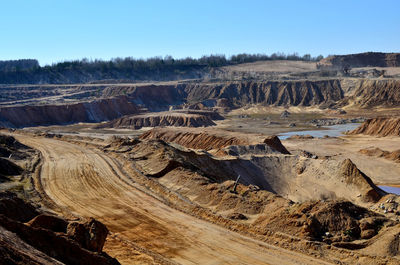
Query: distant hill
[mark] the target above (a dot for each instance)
(367, 59)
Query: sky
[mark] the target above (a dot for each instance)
(58, 30)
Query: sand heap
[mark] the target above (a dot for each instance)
(266, 165)
(211, 139)
(379, 127)
(377, 152)
(168, 118)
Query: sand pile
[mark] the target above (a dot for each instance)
(159, 119)
(193, 139)
(213, 140)
(294, 177)
(377, 152)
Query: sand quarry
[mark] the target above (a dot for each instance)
(159, 172)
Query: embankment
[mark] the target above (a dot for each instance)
(93, 111)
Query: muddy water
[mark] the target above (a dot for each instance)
(332, 131)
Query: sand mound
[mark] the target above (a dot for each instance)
(159, 119)
(193, 139)
(377, 152)
(208, 140)
(294, 177)
(379, 127)
(353, 176)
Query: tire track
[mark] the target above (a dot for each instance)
(86, 182)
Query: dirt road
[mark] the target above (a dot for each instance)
(87, 182)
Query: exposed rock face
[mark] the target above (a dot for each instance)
(94, 111)
(231, 94)
(153, 97)
(373, 93)
(13, 250)
(278, 93)
(47, 239)
(15, 208)
(159, 119)
(56, 245)
(8, 168)
(374, 59)
(49, 222)
(379, 127)
(9, 146)
(90, 234)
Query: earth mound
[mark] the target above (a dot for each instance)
(159, 119)
(194, 139)
(379, 127)
(208, 140)
(297, 178)
(377, 152)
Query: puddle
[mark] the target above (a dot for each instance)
(391, 189)
(332, 131)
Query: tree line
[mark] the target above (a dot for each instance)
(15, 65)
(155, 68)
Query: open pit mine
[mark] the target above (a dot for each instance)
(298, 163)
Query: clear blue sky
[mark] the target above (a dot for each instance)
(57, 30)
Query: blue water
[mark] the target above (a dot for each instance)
(390, 189)
(332, 131)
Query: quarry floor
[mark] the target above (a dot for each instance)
(80, 180)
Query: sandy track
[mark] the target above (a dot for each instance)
(86, 182)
